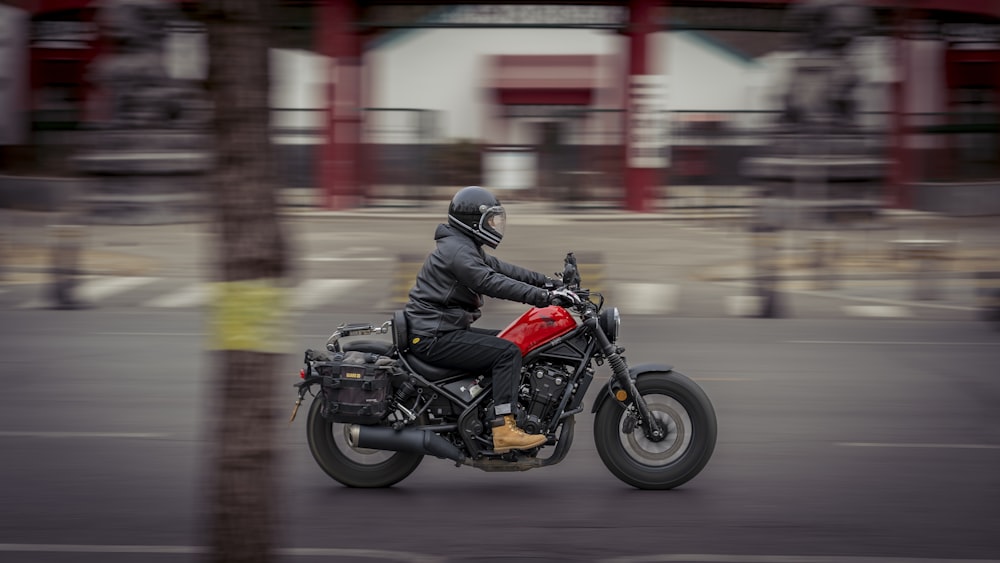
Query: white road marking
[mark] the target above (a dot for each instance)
(877, 311)
(309, 293)
(90, 289)
(646, 298)
(312, 293)
(103, 287)
(345, 259)
(140, 333)
(918, 445)
(744, 305)
(193, 295)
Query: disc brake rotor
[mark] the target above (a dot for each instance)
(676, 423)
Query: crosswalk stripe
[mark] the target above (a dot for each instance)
(744, 305)
(103, 287)
(883, 311)
(646, 298)
(312, 293)
(91, 289)
(193, 295)
(632, 298)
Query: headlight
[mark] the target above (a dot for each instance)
(611, 321)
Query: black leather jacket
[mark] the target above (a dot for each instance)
(451, 284)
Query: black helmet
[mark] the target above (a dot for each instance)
(477, 213)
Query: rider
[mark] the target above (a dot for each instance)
(448, 294)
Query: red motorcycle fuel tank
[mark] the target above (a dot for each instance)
(538, 326)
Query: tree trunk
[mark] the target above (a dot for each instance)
(250, 257)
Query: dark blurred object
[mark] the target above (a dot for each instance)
(764, 238)
(133, 71)
(150, 158)
(65, 256)
(988, 295)
(818, 171)
(824, 78)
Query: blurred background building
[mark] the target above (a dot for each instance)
(627, 104)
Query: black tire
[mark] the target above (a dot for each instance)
(689, 418)
(351, 466)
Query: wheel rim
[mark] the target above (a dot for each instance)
(340, 440)
(676, 424)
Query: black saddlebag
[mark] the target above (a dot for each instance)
(356, 385)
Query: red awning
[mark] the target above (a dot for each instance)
(543, 79)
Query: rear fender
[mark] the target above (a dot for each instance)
(635, 372)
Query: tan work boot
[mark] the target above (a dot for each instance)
(507, 436)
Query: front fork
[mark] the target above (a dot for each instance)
(625, 392)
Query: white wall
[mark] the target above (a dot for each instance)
(444, 69)
(702, 75)
(298, 81)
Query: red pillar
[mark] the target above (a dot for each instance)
(641, 173)
(899, 195)
(339, 171)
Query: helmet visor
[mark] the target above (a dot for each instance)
(495, 220)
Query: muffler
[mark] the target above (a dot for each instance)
(409, 440)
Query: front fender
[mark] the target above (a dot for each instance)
(635, 372)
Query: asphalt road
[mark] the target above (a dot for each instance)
(839, 440)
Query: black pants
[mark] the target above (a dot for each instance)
(478, 351)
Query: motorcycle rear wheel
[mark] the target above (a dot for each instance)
(349, 465)
(687, 415)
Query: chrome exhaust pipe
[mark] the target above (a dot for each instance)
(410, 440)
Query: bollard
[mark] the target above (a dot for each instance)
(988, 295)
(65, 265)
(9, 229)
(765, 245)
(4, 256)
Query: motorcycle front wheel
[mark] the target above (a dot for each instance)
(350, 465)
(686, 414)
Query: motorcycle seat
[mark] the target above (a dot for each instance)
(428, 371)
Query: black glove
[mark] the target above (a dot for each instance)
(544, 298)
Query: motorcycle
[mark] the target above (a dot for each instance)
(380, 410)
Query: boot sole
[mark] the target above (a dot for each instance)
(509, 448)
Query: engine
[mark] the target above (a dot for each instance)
(542, 387)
